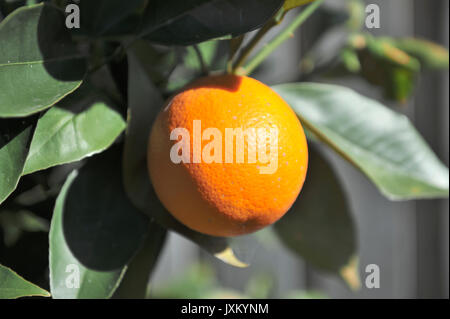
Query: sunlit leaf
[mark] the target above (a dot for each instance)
(383, 144)
(39, 64)
(95, 231)
(66, 134)
(13, 286)
(15, 136)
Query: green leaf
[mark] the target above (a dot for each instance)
(430, 55)
(15, 136)
(157, 61)
(384, 145)
(350, 59)
(172, 22)
(385, 50)
(191, 68)
(197, 281)
(136, 280)
(95, 230)
(208, 51)
(144, 104)
(38, 63)
(319, 226)
(65, 135)
(109, 18)
(14, 223)
(13, 286)
(386, 66)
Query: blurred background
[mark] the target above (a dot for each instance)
(409, 241)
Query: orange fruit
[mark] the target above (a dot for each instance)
(220, 197)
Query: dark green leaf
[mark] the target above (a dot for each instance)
(109, 18)
(319, 226)
(135, 282)
(191, 67)
(172, 22)
(65, 134)
(144, 104)
(95, 229)
(15, 136)
(38, 63)
(397, 81)
(384, 145)
(13, 286)
(158, 62)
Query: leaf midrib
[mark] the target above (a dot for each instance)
(386, 162)
(43, 61)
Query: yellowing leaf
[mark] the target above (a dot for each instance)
(291, 4)
(350, 274)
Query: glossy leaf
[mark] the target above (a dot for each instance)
(64, 265)
(95, 230)
(13, 286)
(38, 63)
(109, 18)
(173, 22)
(384, 145)
(144, 104)
(319, 226)
(65, 135)
(15, 136)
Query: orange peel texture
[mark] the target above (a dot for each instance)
(223, 198)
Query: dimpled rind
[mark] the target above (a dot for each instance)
(227, 199)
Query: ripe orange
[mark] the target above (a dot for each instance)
(223, 198)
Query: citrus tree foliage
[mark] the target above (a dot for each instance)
(77, 104)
